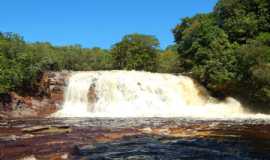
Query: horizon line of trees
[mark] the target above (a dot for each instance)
(227, 51)
(22, 64)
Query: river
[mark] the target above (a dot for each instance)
(135, 138)
(191, 123)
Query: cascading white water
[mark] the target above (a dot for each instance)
(141, 94)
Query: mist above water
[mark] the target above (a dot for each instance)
(143, 94)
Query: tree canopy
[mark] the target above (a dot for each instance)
(22, 64)
(135, 51)
(228, 50)
(243, 19)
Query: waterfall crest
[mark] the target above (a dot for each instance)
(141, 94)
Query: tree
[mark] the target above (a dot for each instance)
(254, 69)
(11, 46)
(206, 52)
(168, 60)
(228, 50)
(22, 64)
(135, 51)
(243, 19)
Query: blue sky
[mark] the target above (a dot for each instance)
(96, 22)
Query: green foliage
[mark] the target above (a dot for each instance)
(21, 64)
(254, 68)
(7, 75)
(11, 46)
(136, 52)
(228, 50)
(168, 61)
(243, 19)
(206, 52)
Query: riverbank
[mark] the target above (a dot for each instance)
(137, 138)
(47, 100)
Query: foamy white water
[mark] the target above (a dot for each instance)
(143, 94)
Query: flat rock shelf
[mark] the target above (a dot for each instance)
(134, 138)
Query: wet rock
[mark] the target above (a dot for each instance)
(54, 82)
(62, 126)
(92, 96)
(29, 158)
(23, 112)
(57, 98)
(26, 136)
(147, 130)
(55, 156)
(19, 102)
(19, 106)
(15, 137)
(9, 138)
(53, 85)
(3, 123)
(35, 129)
(64, 156)
(44, 107)
(55, 130)
(84, 150)
(47, 129)
(3, 115)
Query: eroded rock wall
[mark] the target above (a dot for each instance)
(48, 100)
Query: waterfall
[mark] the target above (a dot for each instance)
(141, 94)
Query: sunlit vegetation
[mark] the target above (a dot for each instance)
(227, 51)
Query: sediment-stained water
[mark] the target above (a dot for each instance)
(212, 129)
(143, 94)
(134, 138)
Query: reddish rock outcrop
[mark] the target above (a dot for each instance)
(50, 99)
(53, 85)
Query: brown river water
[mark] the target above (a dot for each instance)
(134, 138)
(223, 131)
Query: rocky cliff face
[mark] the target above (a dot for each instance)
(50, 99)
(53, 85)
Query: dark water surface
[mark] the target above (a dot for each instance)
(137, 138)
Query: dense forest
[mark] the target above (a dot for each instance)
(227, 51)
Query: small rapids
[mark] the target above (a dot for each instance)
(143, 94)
